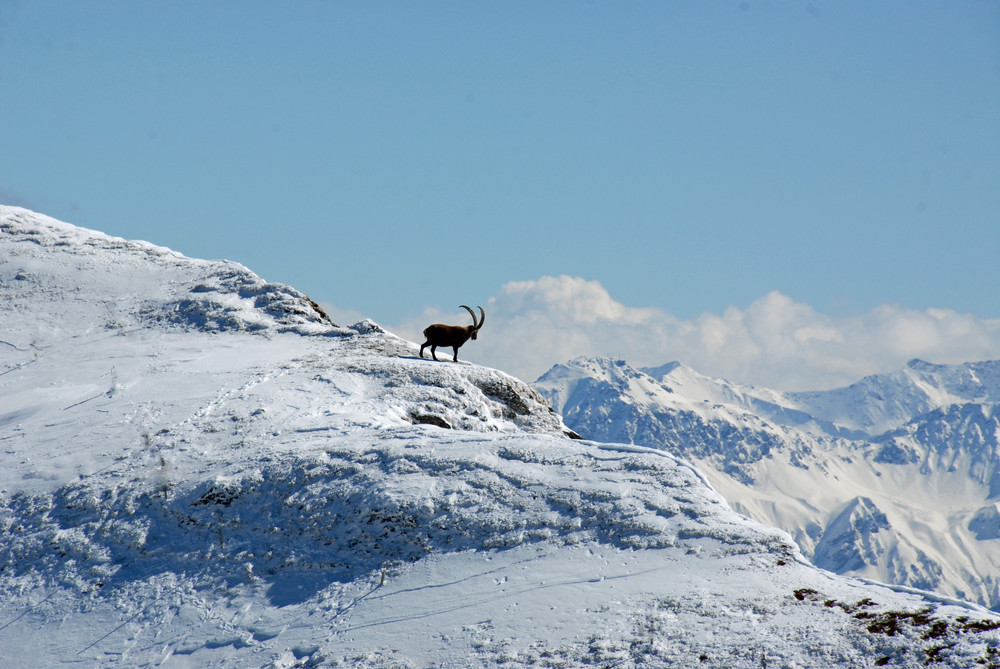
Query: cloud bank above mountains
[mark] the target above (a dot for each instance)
(774, 342)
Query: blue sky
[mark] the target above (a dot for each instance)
(393, 159)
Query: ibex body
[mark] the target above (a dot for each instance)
(451, 335)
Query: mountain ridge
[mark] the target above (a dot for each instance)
(194, 477)
(802, 460)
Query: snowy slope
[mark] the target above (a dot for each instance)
(896, 477)
(200, 470)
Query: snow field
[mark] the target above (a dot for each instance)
(200, 471)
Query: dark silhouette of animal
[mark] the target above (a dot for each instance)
(451, 335)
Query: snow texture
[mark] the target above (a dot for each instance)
(201, 470)
(894, 478)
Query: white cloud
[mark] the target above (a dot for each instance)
(774, 342)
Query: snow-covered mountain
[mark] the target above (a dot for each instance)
(896, 477)
(199, 469)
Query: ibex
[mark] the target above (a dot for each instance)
(451, 335)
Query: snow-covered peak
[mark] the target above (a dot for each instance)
(871, 407)
(700, 388)
(73, 296)
(199, 470)
(644, 386)
(883, 402)
(74, 281)
(886, 478)
(668, 388)
(953, 384)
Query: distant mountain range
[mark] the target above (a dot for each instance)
(896, 477)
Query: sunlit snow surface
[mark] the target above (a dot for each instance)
(894, 478)
(199, 469)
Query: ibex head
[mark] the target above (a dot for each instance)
(452, 335)
(475, 325)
